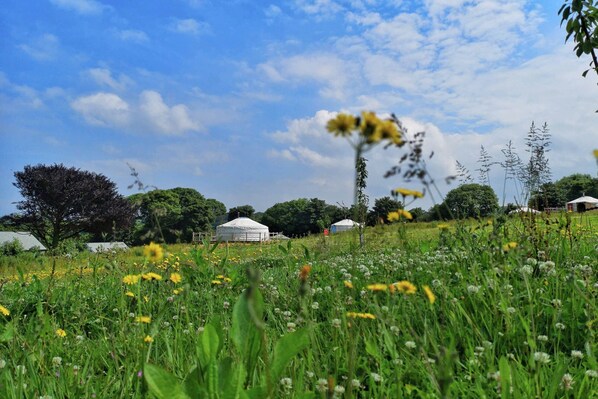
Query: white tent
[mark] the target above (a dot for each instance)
(343, 225)
(582, 204)
(106, 246)
(27, 240)
(242, 229)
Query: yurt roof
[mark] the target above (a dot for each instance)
(584, 199)
(244, 223)
(27, 240)
(106, 246)
(345, 222)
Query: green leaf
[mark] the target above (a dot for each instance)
(162, 384)
(8, 333)
(232, 379)
(287, 348)
(371, 347)
(192, 385)
(505, 377)
(208, 345)
(257, 393)
(247, 315)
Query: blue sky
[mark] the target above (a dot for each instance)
(231, 97)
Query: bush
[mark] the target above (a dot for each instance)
(11, 248)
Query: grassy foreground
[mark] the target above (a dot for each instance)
(506, 308)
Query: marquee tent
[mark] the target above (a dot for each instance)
(343, 225)
(27, 240)
(582, 204)
(242, 229)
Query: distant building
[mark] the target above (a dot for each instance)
(106, 246)
(242, 229)
(343, 225)
(27, 240)
(582, 204)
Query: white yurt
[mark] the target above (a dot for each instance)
(242, 229)
(343, 225)
(523, 209)
(582, 204)
(106, 246)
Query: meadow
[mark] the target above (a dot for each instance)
(497, 308)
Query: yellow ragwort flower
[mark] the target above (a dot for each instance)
(130, 294)
(405, 287)
(153, 252)
(405, 192)
(148, 339)
(377, 287)
(348, 284)
(216, 282)
(143, 319)
(395, 216)
(369, 127)
(4, 311)
(429, 294)
(405, 214)
(177, 291)
(355, 315)
(131, 279)
(387, 130)
(220, 276)
(227, 279)
(61, 333)
(341, 125)
(151, 276)
(176, 278)
(509, 246)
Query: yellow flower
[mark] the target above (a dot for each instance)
(151, 276)
(405, 287)
(509, 246)
(177, 291)
(348, 284)
(355, 315)
(131, 279)
(153, 252)
(217, 282)
(130, 294)
(148, 339)
(377, 287)
(596, 154)
(429, 294)
(405, 192)
(443, 226)
(387, 130)
(369, 127)
(176, 278)
(395, 216)
(143, 319)
(4, 311)
(406, 214)
(341, 125)
(61, 333)
(221, 276)
(227, 279)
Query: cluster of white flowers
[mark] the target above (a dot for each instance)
(542, 357)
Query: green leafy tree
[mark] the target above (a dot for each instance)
(581, 17)
(549, 195)
(291, 217)
(246, 211)
(471, 200)
(382, 207)
(61, 203)
(576, 185)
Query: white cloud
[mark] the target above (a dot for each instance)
(43, 48)
(190, 26)
(85, 7)
(132, 35)
(318, 7)
(165, 119)
(103, 77)
(104, 109)
(272, 11)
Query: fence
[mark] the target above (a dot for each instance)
(237, 237)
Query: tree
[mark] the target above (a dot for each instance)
(471, 200)
(549, 195)
(536, 172)
(300, 216)
(582, 25)
(240, 211)
(576, 185)
(61, 203)
(382, 207)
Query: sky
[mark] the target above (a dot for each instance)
(231, 97)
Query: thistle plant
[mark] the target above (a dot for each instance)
(363, 133)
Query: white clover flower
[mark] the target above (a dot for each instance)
(556, 303)
(286, 383)
(473, 289)
(310, 374)
(355, 383)
(226, 304)
(378, 378)
(542, 357)
(394, 329)
(592, 373)
(315, 306)
(559, 326)
(56, 360)
(567, 381)
(339, 390)
(577, 354)
(526, 269)
(322, 385)
(542, 338)
(336, 323)
(2, 363)
(511, 310)
(291, 326)
(410, 344)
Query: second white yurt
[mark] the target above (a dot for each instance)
(582, 204)
(242, 229)
(343, 225)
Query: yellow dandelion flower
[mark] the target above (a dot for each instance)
(220, 276)
(393, 216)
(148, 339)
(176, 278)
(146, 298)
(406, 214)
(143, 319)
(216, 282)
(369, 127)
(130, 294)
(359, 315)
(227, 279)
(387, 130)
(131, 279)
(341, 125)
(61, 333)
(405, 192)
(153, 252)
(4, 311)
(400, 213)
(348, 284)
(405, 287)
(429, 294)
(177, 291)
(151, 276)
(509, 246)
(377, 287)
(596, 154)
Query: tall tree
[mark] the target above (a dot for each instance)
(471, 200)
(537, 171)
(246, 211)
(61, 203)
(582, 24)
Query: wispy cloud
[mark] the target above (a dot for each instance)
(132, 35)
(190, 26)
(85, 7)
(43, 48)
(103, 77)
(104, 109)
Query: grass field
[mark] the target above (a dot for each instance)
(494, 308)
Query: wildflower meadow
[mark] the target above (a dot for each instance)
(487, 308)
